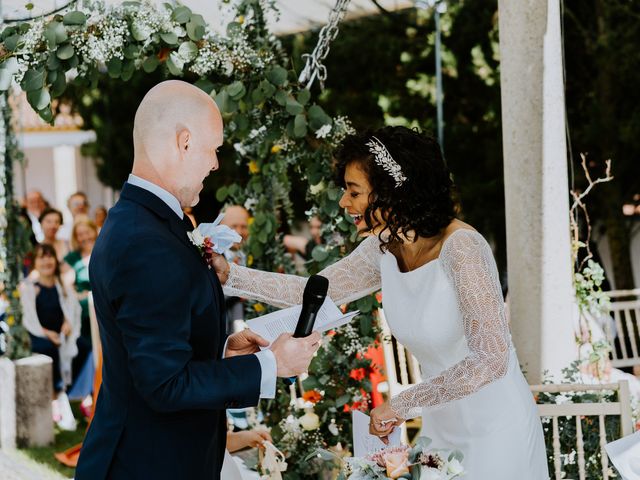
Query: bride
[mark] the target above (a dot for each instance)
(442, 299)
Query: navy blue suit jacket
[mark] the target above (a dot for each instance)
(160, 413)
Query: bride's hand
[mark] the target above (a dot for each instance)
(383, 421)
(221, 266)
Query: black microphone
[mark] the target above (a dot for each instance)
(312, 299)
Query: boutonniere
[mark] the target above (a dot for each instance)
(210, 238)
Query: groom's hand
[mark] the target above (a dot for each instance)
(221, 266)
(245, 342)
(293, 355)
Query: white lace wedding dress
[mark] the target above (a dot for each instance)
(450, 314)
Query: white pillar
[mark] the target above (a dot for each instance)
(536, 186)
(65, 173)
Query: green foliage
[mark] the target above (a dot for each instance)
(14, 235)
(601, 40)
(382, 72)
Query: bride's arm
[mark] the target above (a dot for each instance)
(350, 278)
(469, 263)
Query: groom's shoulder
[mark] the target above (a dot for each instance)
(128, 224)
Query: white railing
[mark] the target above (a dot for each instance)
(625, 326)
(578, 411)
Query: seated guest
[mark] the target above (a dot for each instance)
(50, 222)
(35, 204)
(83, 237)
(78, 205)
(51, 315)
(100, 216)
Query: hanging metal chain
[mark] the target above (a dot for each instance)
(314, 68)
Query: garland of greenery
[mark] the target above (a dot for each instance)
(14, 241)
(276, 131)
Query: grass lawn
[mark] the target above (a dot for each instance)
(63, 440)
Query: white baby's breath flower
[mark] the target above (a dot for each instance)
(323, 131)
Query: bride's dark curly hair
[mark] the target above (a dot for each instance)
(424, 202)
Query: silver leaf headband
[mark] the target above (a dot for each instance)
(383, 158)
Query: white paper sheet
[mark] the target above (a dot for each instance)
(271, 325)
(625, 456)
(363, 442)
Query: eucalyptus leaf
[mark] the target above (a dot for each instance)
(233, 29)
(267, 88)
(8, 69)
(221, 194)
(319, 253)
(181, 14)
(342, 400)
(169, 38)
(188, 51)
(55, 34)
(281, 97)
(242, 121)
(11, 43)
(46, 114)
(53, 62)
(175, 64)
(277, 75)
(131, 52)
(74, 61)
(39, 99)
(74, 18)
(128, 69)
(114, 67)
(300, 126)
(198, 19)
(150, 64)
(257, 96)
(65, 52)
(7, 32)
(195, 31)
(205, 85)
(303, 96)
(236, 90)
(318, 118)
(293, 107)
(33, 80)
(59, 84)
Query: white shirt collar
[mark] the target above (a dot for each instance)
(159, 192)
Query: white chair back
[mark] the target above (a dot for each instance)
(625, 326)
(578, 411)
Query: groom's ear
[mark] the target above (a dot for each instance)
(184, 140)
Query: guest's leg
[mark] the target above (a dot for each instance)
(47, 347)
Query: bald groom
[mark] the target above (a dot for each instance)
(169, 369)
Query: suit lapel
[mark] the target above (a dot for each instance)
(177, 227)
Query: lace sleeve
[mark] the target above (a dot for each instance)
(350, 278)
(468, 261)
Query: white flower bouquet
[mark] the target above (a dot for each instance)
(402, 462)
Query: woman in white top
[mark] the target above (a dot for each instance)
(442, 299)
